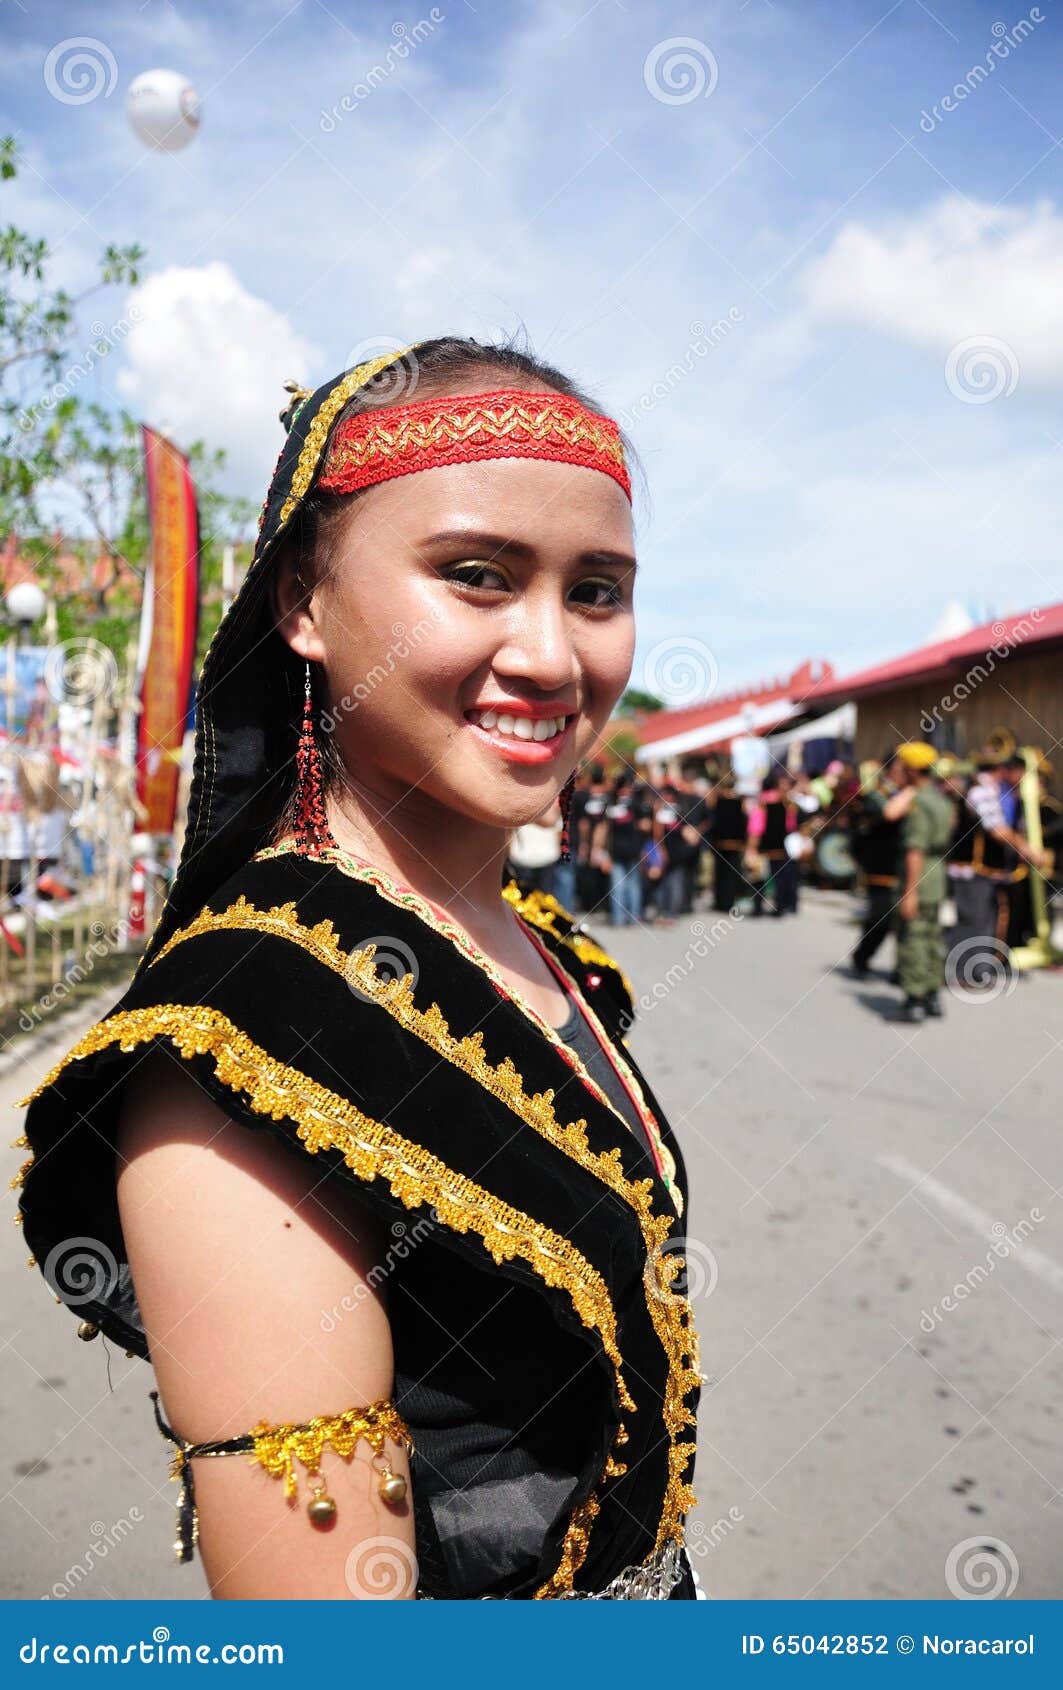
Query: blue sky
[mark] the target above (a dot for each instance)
(829, 316)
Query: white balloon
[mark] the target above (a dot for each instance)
(164, 109)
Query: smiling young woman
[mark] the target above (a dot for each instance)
(361, 1160)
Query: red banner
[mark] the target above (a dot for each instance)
(169, 621)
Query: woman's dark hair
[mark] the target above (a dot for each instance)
(432, 369)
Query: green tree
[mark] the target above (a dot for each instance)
(38, 329)
(636, 703)
(59, 452)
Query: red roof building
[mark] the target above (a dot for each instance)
(72, 574)
(672, 736)
(954, 692)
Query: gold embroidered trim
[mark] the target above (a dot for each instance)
(430, 1026)
(441, 426)
(670, 1314)
(317, 433)
(542, 908)
(573, 1549)
(281, 921)
(623, 1068)
(324, 1120)
(21, 1175)
(277, 1448)
(406, 898)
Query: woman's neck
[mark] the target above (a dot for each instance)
(455, 862)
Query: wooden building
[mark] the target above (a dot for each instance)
(955, 692)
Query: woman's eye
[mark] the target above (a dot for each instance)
(476, 575)
(599, 594)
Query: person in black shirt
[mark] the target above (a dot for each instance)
(591, 886)
(727, 842)
(879, 812)
(617, 843)
(676, 830)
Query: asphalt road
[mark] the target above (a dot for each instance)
(876, 1257)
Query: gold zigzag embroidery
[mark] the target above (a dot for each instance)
(670, 1314)
(406, 898)
(324, 1120)
(317, 433)
(395, 436)
(541, 908)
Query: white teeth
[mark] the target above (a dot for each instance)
(520, 727)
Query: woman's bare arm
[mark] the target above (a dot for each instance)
(252, 1276)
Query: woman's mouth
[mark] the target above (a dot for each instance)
(522, 738)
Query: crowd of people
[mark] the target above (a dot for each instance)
(945, 855)
(937, 848)
(643, 852)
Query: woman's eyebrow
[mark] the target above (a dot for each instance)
(497, 545)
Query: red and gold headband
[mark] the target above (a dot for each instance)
(378, 445)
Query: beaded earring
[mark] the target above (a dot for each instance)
(564, 799)
(312, 832)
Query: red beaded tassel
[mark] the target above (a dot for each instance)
(312, 832)
(564, 798)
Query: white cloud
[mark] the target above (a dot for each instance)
(206, 359)
(957, 270)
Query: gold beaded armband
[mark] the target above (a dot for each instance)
(277, 1448)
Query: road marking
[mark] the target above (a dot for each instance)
(1034, 1261)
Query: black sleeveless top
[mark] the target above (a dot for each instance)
(577, 1035)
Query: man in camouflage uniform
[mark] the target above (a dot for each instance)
(926, 833)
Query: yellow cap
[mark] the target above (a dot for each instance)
(917, 754)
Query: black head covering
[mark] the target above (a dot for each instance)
(250, 693)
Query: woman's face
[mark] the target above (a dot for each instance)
(476, 630)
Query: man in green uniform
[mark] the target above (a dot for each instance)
(926, 833)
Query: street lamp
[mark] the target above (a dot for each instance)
(25, 604)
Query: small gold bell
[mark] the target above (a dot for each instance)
(392, 1486)
(88, 1330)
(322, 1507)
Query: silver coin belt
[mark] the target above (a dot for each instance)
(652, 1580)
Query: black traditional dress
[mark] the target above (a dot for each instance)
(319, 1001)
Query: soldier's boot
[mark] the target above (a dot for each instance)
(933, 1006)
